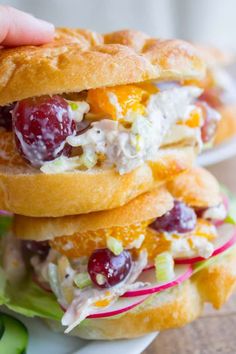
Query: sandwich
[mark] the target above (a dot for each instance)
(121, 273)
(113, 233)
(79, 120)
(219, 92)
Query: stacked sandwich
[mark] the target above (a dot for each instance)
(115, 233)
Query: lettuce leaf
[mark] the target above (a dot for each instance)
(5, 223)
(29, 299)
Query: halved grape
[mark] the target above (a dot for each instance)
(181, 218)
(211, 118)
(41, 126)
(106, 269)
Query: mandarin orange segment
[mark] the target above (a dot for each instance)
(8, 153)
(166, 168)
(117, 101)
(83, 244)
(150, 88)
(154, 244)
(194, 120)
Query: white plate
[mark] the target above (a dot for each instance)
(217, 154)
(43, 340)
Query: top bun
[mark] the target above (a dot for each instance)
(80, 59)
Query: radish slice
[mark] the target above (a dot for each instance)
(120, 306)
(226, 239)
(182, 272)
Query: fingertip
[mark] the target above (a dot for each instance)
(20, 28)
(46, 29)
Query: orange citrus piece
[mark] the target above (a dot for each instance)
(155, 243)
(195, 118)
(83, 244)
(116, 102)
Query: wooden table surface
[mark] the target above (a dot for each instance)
(215, 331)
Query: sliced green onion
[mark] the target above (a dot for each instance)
(82, 280)
(164, 264)
(73, 106)
(114, 245)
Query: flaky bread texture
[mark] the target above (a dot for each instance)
(226, 128)
(145, 207)
(27, 191)
(79, 59)
(169, 309)
(197, 187)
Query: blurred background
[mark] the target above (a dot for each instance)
(210, 21)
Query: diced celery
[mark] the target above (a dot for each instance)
(164, 265)
(114, 245)
(82, 280)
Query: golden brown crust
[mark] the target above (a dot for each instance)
(80, 59)
(196, 187)
(143, 208)
(226, 128)
(169, 309)
(217, 282)
(27, 191)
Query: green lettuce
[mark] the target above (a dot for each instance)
(29, 299)
(5, 224)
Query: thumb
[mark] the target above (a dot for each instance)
(19, 28)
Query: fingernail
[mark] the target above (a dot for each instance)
(46, 25)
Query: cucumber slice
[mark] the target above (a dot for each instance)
(14, 335)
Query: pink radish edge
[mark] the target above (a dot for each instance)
(118, 311)
(162, 287)
(217, 251)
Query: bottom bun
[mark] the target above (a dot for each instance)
(168, 309)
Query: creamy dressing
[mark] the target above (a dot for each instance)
(191, 246)
(129, 148)
(218, 212)
(194, 243)
(78, 304)
(84, 302)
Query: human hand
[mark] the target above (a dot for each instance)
(19, 28)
